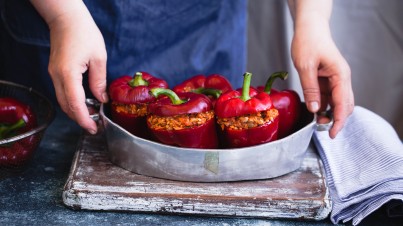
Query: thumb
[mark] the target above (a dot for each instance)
(97, 79)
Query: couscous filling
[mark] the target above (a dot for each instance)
(248, 121)
(134, 109)
(179, 122)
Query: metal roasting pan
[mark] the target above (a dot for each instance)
(154, 159)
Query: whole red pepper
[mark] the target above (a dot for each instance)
(212, 86)
(246, 117)
(287, 102)
(130, 97)
(183, 119)
(16, 118)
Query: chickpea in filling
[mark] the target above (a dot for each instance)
(179, 122)
(134, 109)
(248, 121)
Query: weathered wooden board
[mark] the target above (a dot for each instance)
(95, 183)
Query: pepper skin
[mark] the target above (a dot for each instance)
(16, 118)
(186, 104)
(246, 102)
(287, 102)
(212, 86)
(127, 91)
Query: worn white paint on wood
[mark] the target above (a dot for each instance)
(95, 183)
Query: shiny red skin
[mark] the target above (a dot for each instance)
(195, 103)
(121, 92)
(12, 110)
(18, 152)
(288, 104)
(135, 125)
(230, 105)
(249, 137)
(204, 136)
(214, 81)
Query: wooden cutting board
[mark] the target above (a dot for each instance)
(94, 183)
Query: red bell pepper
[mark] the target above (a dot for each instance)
(212, 86)
(16, 118)
(287, 102)
(183, 119)
(246, 117)
(130, 97)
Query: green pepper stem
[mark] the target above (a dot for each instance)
(208, 91)
(246, 86)
(281, 74)
(7, 130)
(138, 80)
(156, 92)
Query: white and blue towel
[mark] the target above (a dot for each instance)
(363, 164)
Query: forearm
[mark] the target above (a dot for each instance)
(55, 10)
(304, 11)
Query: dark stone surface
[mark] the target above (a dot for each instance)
(34, 197)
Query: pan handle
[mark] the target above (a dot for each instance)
(93, 107)
(324, 116)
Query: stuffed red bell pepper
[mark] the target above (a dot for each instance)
(246, 117)
(130, 97)
(183, 119)
(212, 86)
(16, 118)
(287, 102)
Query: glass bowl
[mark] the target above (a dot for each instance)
(17, 151)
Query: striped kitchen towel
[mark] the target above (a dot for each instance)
(363, 164)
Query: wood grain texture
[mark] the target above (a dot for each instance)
(94, 183)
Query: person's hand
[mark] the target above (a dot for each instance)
(324, 73)
(76, 46)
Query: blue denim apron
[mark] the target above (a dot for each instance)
(171, 39)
